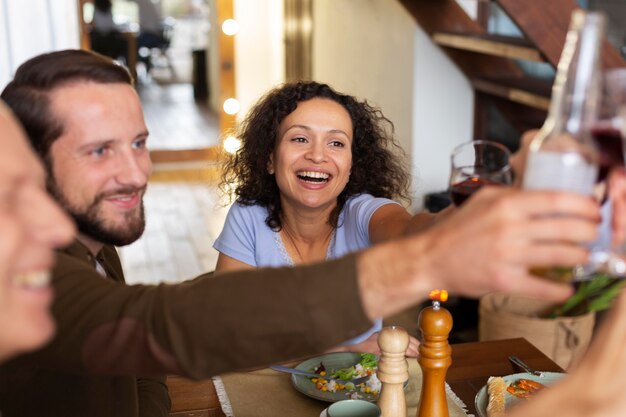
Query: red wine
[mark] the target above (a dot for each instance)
(611, 150)
(461, 191)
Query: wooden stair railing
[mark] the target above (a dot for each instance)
(545, 24)
(503, 46)
(446, 16)
(489, 60)
(527, 91)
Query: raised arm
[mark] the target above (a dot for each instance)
(489, 244)
(226, 263)
(392, 221)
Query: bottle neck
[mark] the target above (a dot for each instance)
(577, 87)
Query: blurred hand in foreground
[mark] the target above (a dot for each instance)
(488, 244)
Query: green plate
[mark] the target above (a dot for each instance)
(332, 361)
(482, 398)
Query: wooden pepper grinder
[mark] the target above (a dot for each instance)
(393, 371)
(435, 357)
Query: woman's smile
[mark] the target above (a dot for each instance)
(313, 176)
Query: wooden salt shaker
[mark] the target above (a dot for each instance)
(435, 357)
(393, 371)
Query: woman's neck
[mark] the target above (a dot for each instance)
(305, 236)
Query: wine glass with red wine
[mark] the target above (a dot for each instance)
(475, 164)
(609, 133)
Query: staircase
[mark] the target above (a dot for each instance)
(504, 92)
(509, 99)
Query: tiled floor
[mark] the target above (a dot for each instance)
(175, 120)
(182, 221)
(183, 218)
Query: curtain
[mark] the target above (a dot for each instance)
(32, 27)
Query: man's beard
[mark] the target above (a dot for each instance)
(91, 222)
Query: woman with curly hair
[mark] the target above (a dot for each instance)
(314, 179)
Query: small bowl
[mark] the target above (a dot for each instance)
(353, 408)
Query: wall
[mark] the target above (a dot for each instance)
(259, 49)
(374, 50)
(364, 48)
(51, 25)
(443, 106)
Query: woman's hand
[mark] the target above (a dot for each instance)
(518, 159)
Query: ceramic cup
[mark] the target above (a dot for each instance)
(353, 408)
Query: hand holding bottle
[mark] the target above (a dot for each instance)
(564, 155)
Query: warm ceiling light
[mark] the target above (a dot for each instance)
(230, 27)
(232, 144)
(231, 106)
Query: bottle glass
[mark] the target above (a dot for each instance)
(564, 155)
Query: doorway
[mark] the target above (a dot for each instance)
(166, 49)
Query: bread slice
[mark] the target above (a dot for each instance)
(496, 388)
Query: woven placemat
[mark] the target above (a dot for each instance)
(267, 393)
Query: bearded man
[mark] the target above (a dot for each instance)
(89, 129)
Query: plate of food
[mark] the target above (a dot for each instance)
(502, 393)
(341, 365)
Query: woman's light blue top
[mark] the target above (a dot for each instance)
(247, 238)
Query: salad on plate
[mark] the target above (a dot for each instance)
(344, 366)
(366, 367)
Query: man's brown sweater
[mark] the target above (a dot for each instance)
(108, 333)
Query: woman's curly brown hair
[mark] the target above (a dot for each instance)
(378, 166)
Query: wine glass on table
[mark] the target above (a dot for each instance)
(476, 164)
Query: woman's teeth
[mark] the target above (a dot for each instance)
(32, 279)
(313, 176)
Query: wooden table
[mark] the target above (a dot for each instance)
(472, 364)
(193, 398)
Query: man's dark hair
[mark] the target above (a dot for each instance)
(28, 94)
